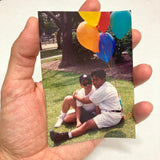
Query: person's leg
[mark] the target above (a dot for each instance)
(70, 118)
(85, 116)
(90, 124)
(60, 137)
(67, 103)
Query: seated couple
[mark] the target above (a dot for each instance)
(96, 106)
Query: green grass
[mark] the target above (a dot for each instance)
(50, 59)
(49, 53)
(58, 84)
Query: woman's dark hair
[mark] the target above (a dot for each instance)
(99, 73)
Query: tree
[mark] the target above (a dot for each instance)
(63, 20)
(67, 23)
(67, 58)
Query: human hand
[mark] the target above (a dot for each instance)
(78, 124)
(23, 116)
(75, 93)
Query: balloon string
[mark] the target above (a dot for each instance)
(115, 84)
(113, 77)
(109, 66)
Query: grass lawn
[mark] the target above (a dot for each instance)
(50, 53)
(50, 59)
(58, 84)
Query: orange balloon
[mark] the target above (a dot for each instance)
(88, 36)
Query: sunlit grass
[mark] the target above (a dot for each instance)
(50, 53)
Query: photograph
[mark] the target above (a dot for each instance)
(86, 64)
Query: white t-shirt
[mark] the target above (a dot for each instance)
(106, 97)
(88, 107)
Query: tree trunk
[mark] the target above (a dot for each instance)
(64, 22)
(59, 39)
(67, 52)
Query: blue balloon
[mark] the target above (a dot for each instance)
(106, 47)
(120, 23)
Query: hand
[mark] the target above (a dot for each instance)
(78, 124)
(23, 117)
(75, 93)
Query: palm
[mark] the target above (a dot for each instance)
(26, 122)
(27, 126)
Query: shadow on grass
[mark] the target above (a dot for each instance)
(45, 72)
(116, 134)
(114, 130)
(70, 125)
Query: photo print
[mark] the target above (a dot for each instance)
(86, 61)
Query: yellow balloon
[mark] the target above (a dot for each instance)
(88, 36)
(91, 18)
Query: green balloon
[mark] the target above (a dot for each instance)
(120, 23)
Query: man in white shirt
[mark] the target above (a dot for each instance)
(106, 97)
(83, 112)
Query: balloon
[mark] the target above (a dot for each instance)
(120, 23)
(104, 21)
(88, 36)
(91, 18)
(106, 47)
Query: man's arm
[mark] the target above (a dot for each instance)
(82, 99)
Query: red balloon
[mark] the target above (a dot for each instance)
(104, 21)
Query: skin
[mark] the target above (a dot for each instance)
(90, 124)
(97, 83)
(69, 101)
(23, 117)
(87, 89)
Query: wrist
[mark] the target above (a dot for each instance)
(78, 120)
(76, 95)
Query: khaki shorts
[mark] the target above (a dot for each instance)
(107, 119)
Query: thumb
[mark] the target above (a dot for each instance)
(24, 52)
(18, 80)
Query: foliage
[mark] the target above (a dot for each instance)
(50, 27)
(124, 44)
(127, 42)
(41, 18)
(81, 54)
(46, 24)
